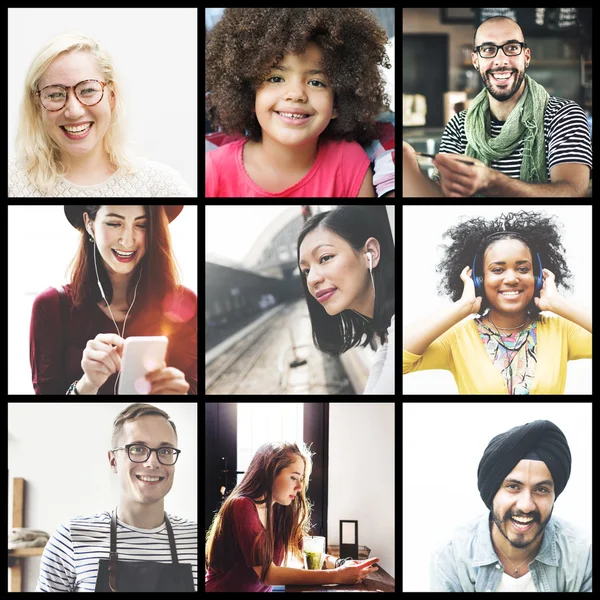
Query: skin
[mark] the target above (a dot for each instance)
(129, 235)
(526, 501)
(507, 313)
(503, 99)
(88, 162)
(287, 483)
(142, 505)
(346, 270)
(287, 149)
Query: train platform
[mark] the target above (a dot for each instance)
(275, 355)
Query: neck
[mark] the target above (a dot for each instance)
(505, 322)
(366, 306)
(519, 557)
(142, 516)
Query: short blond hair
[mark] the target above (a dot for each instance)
(133, 412)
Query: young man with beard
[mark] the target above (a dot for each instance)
(518, 546)
(137, 546)
(520, 141)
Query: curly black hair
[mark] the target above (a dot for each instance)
(539, 232)
(244, 43)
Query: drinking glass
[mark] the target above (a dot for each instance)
(313, 549)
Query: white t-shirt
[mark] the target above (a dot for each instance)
(382, 379)
(152, 180)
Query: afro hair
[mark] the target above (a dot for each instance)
(538, 232)
(246, 41)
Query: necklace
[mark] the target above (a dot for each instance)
(505, 328)
(508, 559)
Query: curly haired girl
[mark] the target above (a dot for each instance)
(509, 269)
(301, 85)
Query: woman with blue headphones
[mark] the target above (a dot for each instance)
(509, 269)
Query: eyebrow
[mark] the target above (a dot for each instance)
(545, 482)
(501, 262)
(310, 72)
(296, 473)
(121, 217)
(507, 42)
(315, 249)
(146, 443)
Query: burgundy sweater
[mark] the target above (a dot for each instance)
(56, 345)
(246, 527)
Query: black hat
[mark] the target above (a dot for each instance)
(74, 213)
(541, 439)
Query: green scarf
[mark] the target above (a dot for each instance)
(526, 120)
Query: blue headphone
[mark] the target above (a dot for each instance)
(478, 279)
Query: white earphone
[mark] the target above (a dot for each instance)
(370, 257)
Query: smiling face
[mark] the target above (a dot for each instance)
(292, 87)
(68, 70)
(155, 432)
(329, 262)
(508, 269)
(527, 493)
(499, 32)
(113, 233)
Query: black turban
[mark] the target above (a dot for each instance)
(503, 453)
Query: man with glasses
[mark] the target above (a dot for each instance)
(137, 546)
(518, 140)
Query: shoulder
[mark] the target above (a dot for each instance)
(223, 154)
(571, 533)
(163, 180)
(19, 184)
(46, 298)
(182, 524)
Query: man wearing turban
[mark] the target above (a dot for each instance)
(518, 546)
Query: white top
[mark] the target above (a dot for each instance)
(153, 180)
(71, 557)
(382, 379)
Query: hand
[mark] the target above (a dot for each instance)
(468, 296)
(167, 380)
(409, 156)
(460, 180)
(102, 357)
(549, 295)
(352, 572)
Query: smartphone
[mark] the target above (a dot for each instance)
(141, 354)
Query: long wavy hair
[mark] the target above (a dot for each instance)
(160, 278)
(37, 153)
(336, 334)
(286, 523)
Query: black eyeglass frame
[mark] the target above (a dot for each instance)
(71, 87)
(522, 44)
(150, 450)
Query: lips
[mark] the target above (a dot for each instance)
(323, 292)
(294, 111)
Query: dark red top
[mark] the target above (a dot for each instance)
(246, 527)
(56, 345)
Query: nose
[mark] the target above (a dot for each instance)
(294, 91)
(127, 238)
(73, 108)
(525, 504)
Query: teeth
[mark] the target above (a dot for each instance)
(501, 77)
(79, 129)
(510, 293)
(149, 478)
(522, 520)
(293, 116)
(123, 255)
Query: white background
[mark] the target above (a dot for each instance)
(442, 445)
(155, 51)
(423, 227)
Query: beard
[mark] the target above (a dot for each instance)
(519, 542)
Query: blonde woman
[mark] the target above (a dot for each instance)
(71, 139)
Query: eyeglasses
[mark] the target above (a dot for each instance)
(89, 92)
(139, 453)
(510, 49)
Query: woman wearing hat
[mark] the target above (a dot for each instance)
(124, 283)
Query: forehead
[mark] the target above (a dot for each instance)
(530, 471)
(313, 55)
(150, 429)
(507, 250)
(298, 466)
(498, 32)
(71, 68)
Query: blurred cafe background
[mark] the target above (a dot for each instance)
(438, 78)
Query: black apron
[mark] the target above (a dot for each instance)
(143, 576)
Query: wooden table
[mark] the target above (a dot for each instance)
(380, 581)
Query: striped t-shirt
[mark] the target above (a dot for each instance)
(566, 134)
(71, 556)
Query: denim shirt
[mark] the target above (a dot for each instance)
(468, 563)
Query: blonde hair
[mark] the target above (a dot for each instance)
(37, 152)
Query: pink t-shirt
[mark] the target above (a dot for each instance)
(245, 528)
(338, 172)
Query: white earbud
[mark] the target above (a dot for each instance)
(370, 257)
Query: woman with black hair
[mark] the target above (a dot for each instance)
(509, 268)
(347, 263)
